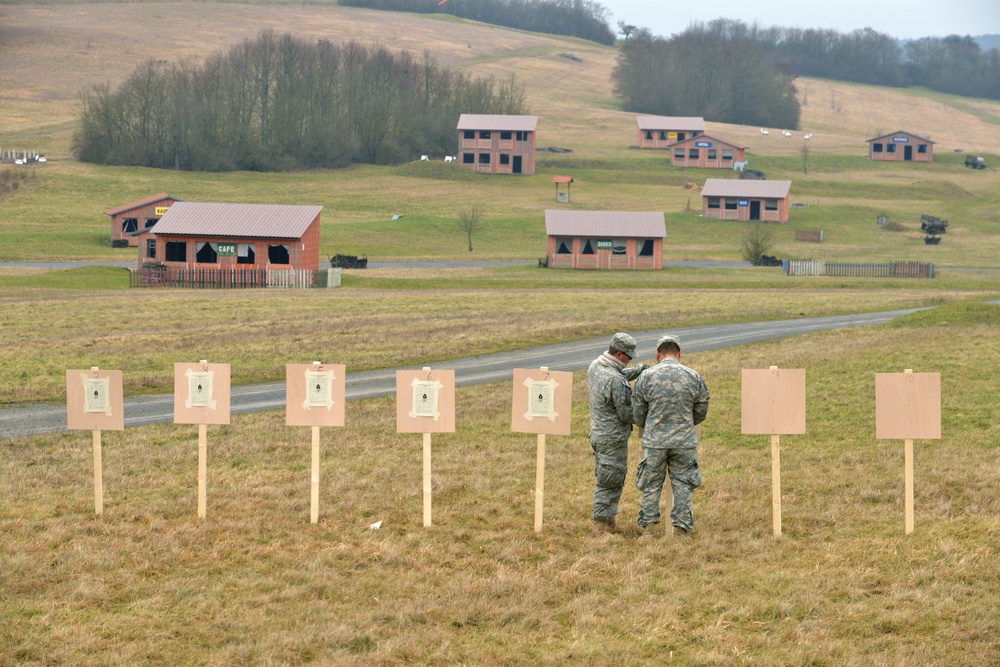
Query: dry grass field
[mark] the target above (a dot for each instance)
(255, 584)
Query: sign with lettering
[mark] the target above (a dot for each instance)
(703, 144)
(604, 244)
(901, 140)
(743, 202)
(227, 250)
(161, 210)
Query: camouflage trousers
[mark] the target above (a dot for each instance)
(685, 477)
(610, 468)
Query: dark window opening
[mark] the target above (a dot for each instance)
(679, 153)
(646, 250)
(712, 154)
(713, 202)
(649, 134)
(245, 254)
(618, 247)
(469, 134)
(694, 153)
(206, 253)
(681, 136)
(770, 204)
(727, 155)
(890, 148)
(278, 254)
(468, 158)
(151, 248)
(921, 148)
(484, 134)
(522, 135)
(506, 135)
(876, 148)
(504, 158)
(564, 247)
(663, 135)
(484, 158)
(129, 225)
(588, 248)
(177, 251)
(151, 221)
(730, 204)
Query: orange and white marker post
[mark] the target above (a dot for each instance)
(94, 402)
(774, 403)
(908, 407)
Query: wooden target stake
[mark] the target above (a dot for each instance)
(427, 480)
(540, 482)
(94, 403)
(202, 471)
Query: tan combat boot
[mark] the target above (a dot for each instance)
(680, 532)
(648, 532)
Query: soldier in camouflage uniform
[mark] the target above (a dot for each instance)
(611, 425)
(668, 401)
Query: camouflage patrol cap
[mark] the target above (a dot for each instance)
(669, 338)
(622, 342)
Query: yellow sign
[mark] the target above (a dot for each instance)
(160, 210)
(671, 135)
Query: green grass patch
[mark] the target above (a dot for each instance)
(83, 278)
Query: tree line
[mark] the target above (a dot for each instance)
(716, 72)
(275, 102)
(577, 18)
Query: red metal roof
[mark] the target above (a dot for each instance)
(140, 203)
(618, 224)
(473, 121)
(243, 220)
(726, 187)
(897, 132)
(687, 123)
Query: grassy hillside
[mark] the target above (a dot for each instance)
(53, 51)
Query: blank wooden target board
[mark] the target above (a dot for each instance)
(908, 407)
(94, 402)
(425, 403)
(774, 403)
(542, 403)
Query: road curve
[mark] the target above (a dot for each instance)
(36, 419)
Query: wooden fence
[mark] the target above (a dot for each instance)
(809, 267)
(809, 235)
(225, 278)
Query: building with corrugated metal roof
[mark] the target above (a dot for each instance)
(234, 236)
(729, 199)
(900, 146)
(604, 239)
(705, 151)
(663, 131)
(497, 144)
(129, 219)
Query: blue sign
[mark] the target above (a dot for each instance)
(901, 140)
(703, 144)
(743, 202)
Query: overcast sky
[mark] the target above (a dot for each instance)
(906, 19)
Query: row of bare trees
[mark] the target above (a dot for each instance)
(709, 71)
(276, 102)
(579, 18)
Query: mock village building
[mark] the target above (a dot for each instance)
(662, 131)
(497, 144)
(746, 200)
(706, 152)
(604, 239)
(129, 219)
(901, 146)
(234, 236)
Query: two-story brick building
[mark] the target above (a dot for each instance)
(497, 144)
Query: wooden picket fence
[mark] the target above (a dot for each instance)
(810, 267)
(223, 278)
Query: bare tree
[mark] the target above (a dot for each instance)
(471, 221)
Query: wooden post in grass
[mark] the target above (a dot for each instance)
(774, 403)
(425, 403)
(201, 396)
(543, 404)
(94, 402)
(908, 407)
(315, 396)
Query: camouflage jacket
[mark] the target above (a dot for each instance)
(668, 401)
(610, 402)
